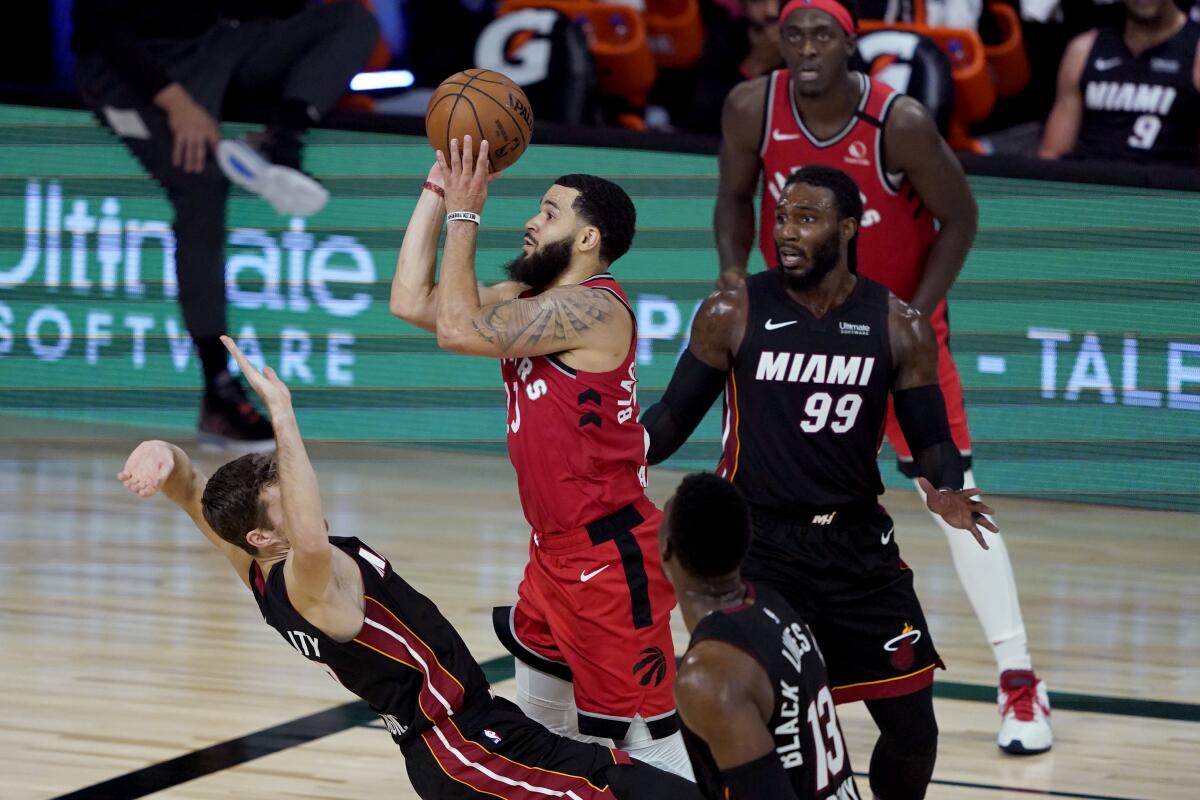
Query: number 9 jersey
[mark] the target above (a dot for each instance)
(807, 398)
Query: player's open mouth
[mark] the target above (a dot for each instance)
(790, 259)
(809, 73)
(530, 243)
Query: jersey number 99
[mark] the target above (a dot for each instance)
(818, 408)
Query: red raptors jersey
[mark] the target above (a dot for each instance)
(897, 230)
(574, 436)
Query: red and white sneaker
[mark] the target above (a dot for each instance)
(1024, 713)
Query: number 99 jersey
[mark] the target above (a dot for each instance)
(806, 400)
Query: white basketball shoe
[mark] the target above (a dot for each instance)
(1024, 713)
(289, 191)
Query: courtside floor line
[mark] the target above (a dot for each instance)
(231, 753)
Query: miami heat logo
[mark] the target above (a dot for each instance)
(901, 647)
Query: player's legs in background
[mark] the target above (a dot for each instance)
(988, 580)
(227, 419)
(904, 755)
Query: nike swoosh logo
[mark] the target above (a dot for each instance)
(774, 326)
(1105, 64)
(887, 537)
(783, 137)
(585, 576)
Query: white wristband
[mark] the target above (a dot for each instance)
(465, 216)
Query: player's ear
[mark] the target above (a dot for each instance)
(849, 227)
(588, 239)
(851, 45)
(259, 538)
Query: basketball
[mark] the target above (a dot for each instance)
(481, 104)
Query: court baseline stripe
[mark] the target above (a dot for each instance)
(224, 755)
(1017, 789)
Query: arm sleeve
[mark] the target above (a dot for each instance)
(106, 26)
(921, 412)
(670, 421)
(761, 779)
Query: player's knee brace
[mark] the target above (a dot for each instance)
(547, 699)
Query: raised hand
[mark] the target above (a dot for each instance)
(147, 468)
(465, 176)
(959, 510)
(266, 384)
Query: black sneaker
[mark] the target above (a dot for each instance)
(229, 422)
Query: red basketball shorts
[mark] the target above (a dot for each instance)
(594, 608)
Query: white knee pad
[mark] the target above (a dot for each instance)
(547, 699)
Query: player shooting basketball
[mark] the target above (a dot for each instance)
(591, 626)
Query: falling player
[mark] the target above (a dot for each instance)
(591, 626)
(758, 716)
(818, 111)
(341, 605)
(809, 354)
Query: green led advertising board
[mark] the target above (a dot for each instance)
(1075, 322)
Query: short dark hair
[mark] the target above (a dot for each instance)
(606, 205)
(232, 501)
(709, 525)
(845, 193)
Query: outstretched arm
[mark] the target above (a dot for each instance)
(700, 374)
(310, 558)
(725, 698)
(414, 288)
(555, 321)
(156, 466)
(921, 412)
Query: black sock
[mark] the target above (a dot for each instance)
(292, 119)
(214, 359)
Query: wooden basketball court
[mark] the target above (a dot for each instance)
(134, 663)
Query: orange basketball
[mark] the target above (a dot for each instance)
(485, 105)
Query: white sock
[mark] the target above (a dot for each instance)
(987, 578)
(668, 753)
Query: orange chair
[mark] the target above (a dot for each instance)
(676, 32)
(974, 91)
(1008, 60)
(618, 41)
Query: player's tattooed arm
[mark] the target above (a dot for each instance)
(555, 321)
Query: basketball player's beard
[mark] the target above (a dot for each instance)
(824, 261)
(542, 267)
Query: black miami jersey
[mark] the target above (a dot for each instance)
(407, 662)
(1141, 108)
(804, 724)
(807, 398)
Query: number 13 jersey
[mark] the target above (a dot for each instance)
(806, 400)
